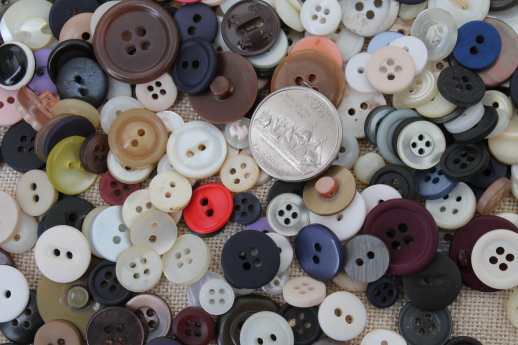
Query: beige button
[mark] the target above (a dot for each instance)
(58, 332)
(503, 146)
(35, 193)
(10, 217)
(77, 28)
(138, 138)
(304, 292)
(154, 229)
(344, 281)
(422, 90)
(391, 70)
(367, 165)
(493, 196)
(169, 191)
(157, 95)
(139, 268)
(512, 308)
(239, 173)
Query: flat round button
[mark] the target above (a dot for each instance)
(136, 203)
(462, 162)
(94, 153)
(15, 293)
(193, 326)
(77, 27)
(196, 20)
(481, 130)
(376, 194)
(266, 325)
(461, 86)
(139, 268)
(154, 229)
(424, 327)
(478, 45)
(287, 214)
(321, 17)
(169, 191)
(500, 144)
(470, 11)
(18, 65)
(35, 193)
(25, 237)
(366, 258)
(71, 212)
(322, 44)
(304, 292)
(104, 286)
(18, 148)
(239, 173)
(416, 48)
(247, 208)
(369, 19)
(154, 314)
(216, 296)
(431, 184)
(109, 235)
(57, 330)
(391, 70)
(114, 192)
(115, 324)
(157, 95)
(383, 335)
(342, 316)
(115, 107)
(383, 293)
(303, 322)
(22, 330)
(493, 196)
(8, 113)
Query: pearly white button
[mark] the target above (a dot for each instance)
(277, 284)
(236, 133)
(469, 118)
(287, 214)
(139, 268)
(367, 165)
(321, 17)
(349, 43)
(376, 194)
(216, 297)
(14, 293)
(165, 165)
(266, 327)
(455, 209)
(288, 14)
(126, 174)
(25, 237)
(87, 227)
(35, 193)
(155, 229)
(285, 250)
(369, 18)
(355, 73)
(463, 11)
(304, 292)
(193, 290)
(171, 120)
(110, 235)
(342, 316)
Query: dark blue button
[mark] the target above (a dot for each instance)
(383, 293)
(247, 208)
(196, 20)
(18, 148)
(23, 329)
(62, 10)
(41, 226)
(493, 172)
(478, 45)
(319, 252)
(71, 212)
(67, 50)
(195, 66)
(303, 322)
(431, 184)
(75, 125)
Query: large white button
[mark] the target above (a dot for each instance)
(287, 214)
(135, 204)
(110, 235)
(187, 261)
(376, 194)
(87, 227)
(25, 237)
(304, 292)
(266, 327)
(126, 174)
(455, 209)
(369, 18)
(216, 297)
(285, 250)
(239, 173)
(463, 11)
(10, 217)
(14, 293)
(157, 95)
(169, 191)
(116, 106)
(342, 316)
(384, 337)
(193, 290)
(62, 254)
(154, 229)
(35, 193)
(139, 268)
(321, 17)
(495, 259)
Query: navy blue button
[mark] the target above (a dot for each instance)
(18, 148)
(195, 66)
(481, 130)
(431, 184)
(303, 322)
(382, 39)
(62, 10)
(383, 293)
(196, 20)
(82, 78)
(247, 208)
(41, 226)
(478, 45)
(23, 329)
(75, 125)
(67, 50)
(319, 252)
(493, 172)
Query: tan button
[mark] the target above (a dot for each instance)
(138, 138)
(493, 196)
(58, 332)
(316, 190)
(77, 27)
(391, 70)
(169, 191)
(503, 146)
(239, 173)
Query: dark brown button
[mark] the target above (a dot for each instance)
(114, 325)
(136, 41)
(6, 258)
(311, 68)
(251, 27)
(94, 152)
(231, 94)
(58, 332)
(154, 314)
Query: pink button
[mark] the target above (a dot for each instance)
(8, 113)
(323, 44)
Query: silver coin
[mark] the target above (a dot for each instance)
(295, 134)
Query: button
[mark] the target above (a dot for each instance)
(424, 327)
(461, 86)
(138, 138)
(512, 305)
(260, 225)
(499, 145)
(391, 70)
(342, 316)
(469, 118)
(62, 254)
(196, 20)
(77, 107)
(216, 296)
(422, 90)
(304, 292)
(193, 290)
(503, 122)
(197, 149)
(462, 162)
(355, 73)
(171, 120)
(57, 330)
(115, 324)
(349, 150)
(234, 87)
(115, 107)
(25, 237)
(136, 42)
(193, 326)
(64, 167)
(366, 258)
(15, 293)
(266, 325)
(319, 252)
(463, 341)
(154, 314)
(481, 130)
(285, 250)
(367, 165)
(239, 173)
(118, 88)
(383, 335)
(163, 341)
(390, 174)
(236, 133)
(154, 229)
(139, 268)
(104, 286)
(382, 39)
(247, 209)
(373, 121)
(329, 341)
(280, 187)
(94, 153)
(265, 63)
(157, 95)
(35, 193)
(87, 227)
(18, 148)
(478, 45)
(275, 287)
(287, 214)
(23, 329)
(209, 210)
(136, 203)
(65, 51)
(288, 14)
(493, 196)
(383, 293)
(416, 48)
(376, 194)
(8, 113)
(18, 65)
(250, 259)
(109, 235)
(69, 212)
(409, 232)
(303, 322)
(62, 11)
(473, 10)
(77, 27)
(6, 259)
(367, 19)
(431, 184)
(170, 191)
(321, 17)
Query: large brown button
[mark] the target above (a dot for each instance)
(94, 153)
(231, 94)
(250, 27)
(311, 68)
(136, 41)
(154, 314)
(58, 332)
(115, 325)
(6, 258)
(138, 138)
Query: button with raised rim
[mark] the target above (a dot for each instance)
(154, 229)
(115, 107)
(423, 327)
(287, 214)
(127, 174)
(383, 293)
(115, 324)
(266, 325)
(104, 286)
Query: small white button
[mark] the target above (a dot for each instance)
(368, 18)
(454, 210)
(10, 217)
(287, 214)
(277, 284)
(126, 174)
(239, 173)
(155, 229)
(355, 73)
(421, 92)
(158, 95)
(321, 17)
(367, 165)
(469, 118)
(383, 336)
(376, 194)
(216, 297)
(266, 327)
(116, 106)
(420, 145)
(110, 235)
(304, 292)
(193, 290)
(25, 237)
(35, 193)
(139, 268)
(169, 191)
(285, 250)
(14, 293)
(342, 316)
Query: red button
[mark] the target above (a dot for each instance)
(115, 192)
(209, 209)
(193, 326)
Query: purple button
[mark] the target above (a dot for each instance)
(41, 81)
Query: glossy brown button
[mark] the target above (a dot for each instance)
(115, 325)
(314, 69)
(138, 138)
(6, 258)
(231, 94)
(331, 192)
(154, 314)
(94, 153)
(493, 196)
(193, 326)
(58, 332)
(250, 27)
(77, 27)
(136, 41)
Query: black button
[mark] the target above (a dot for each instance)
(15, 62)
(463, 341)
(513, 88)
(450, 117)
(41, 226)
(62, 10)
(104, 286)
(373, 120)
(74, 125)
(399, 178)
(67, 50)
(71, 212)
(462, 162)
(247, 208)
(18, 148)
(481, 130)
(461, 86)
(82, 78)
(423, 327)
(303, 322)
(281, 187)
(493, 172)
(383, 293)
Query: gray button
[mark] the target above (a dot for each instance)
(366, 258)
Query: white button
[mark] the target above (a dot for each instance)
(350, 44)
(193, 290)
(14, 294)
(87, 227)
(503, 122)
(321, 17)
(512, 217)
(136, 203)
(512, 308)
(437, 107)
(285, 250)
(287, 214)
(126, 174)
(288, 14)
(355, 73)
(274, 56)
(463, 11)
(239, 173)
(187, 261)
(110, 236)
(25, 237)
(154, 229)
(35, 193)
(368, 18)
(30, 66)
(349, 150)
(344, 281)
(416, 48)
(469, 118)
(116, 88)
(304, 292)
(98, 13)
(408, 12)
(62, 254)
(169, 191)
(297, 4)
(236, 133)
(263, 176)
(139, 268)
(165, 165)
(171, 120)
(226, 5)
(384, 337)
(216, 297)
(277, 284)
(197, 149)
(498, 100)
(367, 165)
(495, 259)
(157, 95)
(376, 194)
(344, 224)
(422, 90)
(455, 209)
(266, 327)
(116, 106)
(342, 316)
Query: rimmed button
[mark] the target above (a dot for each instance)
(104, 286)
(462, 162)
(18, 65)
(193, 326)
(461, 86)
(266, 325)
(389, 174)
(57, 331)
(139, 268)
(423, 327)
(115, 324)
(383, 293)
(303, 322)
(196, 20)
(154, 314)
(154, 229)
(65, 51)
(287, 214)
(239, 173)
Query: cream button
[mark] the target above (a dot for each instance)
(14, 294)
(342, 316)
(169, 191)
(154, 229)
(35, 193)
(304, 292)
(25, 237)
(139, 268)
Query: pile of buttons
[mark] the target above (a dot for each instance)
(286, 92)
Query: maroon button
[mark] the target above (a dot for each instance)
(463, 242)
(409, 232)
(193, 326)
(6, 258)
(115, 192)
(94, 153)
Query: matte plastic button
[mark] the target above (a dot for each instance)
(342, 316)
(382, 39)
(355, 73)
(462, 162)
(193, 326)
(109, 235)
(196, 20)
(15, 294)
(77, 27)
(463, 341)
(389, 174)
(154, 314)
(18, 148)
(431, 184)
(247, 209)
(391, 70)
(56, 330)
(25, 237)
(461, 86)
(104, 286)
(366, 258)
(304, 292)
(69, 212)
(303, 322)
(157, 95)
(416, 48)
(369, 19)
(18, 65)
(376, 194)
(35, 193)
(478, 45)
(63, 10)
(139, 268)
(383, 293)
(287, 214)
(423, 327)
(216, 296)
(170, 191)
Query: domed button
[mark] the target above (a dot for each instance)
(63, 10)
(17, 63)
